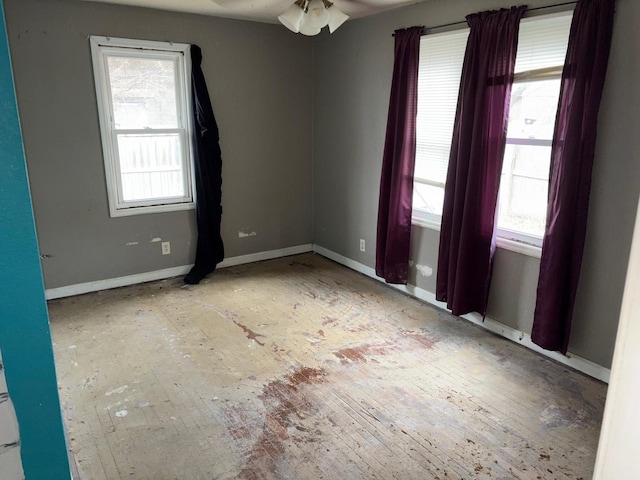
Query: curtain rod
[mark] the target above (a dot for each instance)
(464, 22)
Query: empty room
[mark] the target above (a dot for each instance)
(262, 239)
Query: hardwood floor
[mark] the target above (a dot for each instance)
(300, 368)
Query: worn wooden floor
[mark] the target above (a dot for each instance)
(300, 368)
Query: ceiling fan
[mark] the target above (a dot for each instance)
(307, 17)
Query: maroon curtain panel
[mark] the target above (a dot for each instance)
(570, 177)
(475, 164)
(396, 181)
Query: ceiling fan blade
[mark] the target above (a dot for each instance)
(359, 8)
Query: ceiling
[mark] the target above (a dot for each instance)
(258, 10)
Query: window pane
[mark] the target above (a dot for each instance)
(143, 92)
(151, 166)
(522, 205)
(533, 109)
(428, 198)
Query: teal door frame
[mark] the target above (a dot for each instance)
(25, 338)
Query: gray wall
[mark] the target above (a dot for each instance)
(259, 79)
(352, 78)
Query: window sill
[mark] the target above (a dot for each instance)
(503, 243)
(519, 247)
(423, 222)
(169, 207)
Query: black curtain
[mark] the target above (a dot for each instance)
(207, 159)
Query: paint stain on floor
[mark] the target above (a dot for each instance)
(361, 353)
(286, 405)
(251, 335)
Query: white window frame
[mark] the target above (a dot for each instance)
(505, 237)
(101, 49)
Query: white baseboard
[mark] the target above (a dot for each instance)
(95, 286)
(574, 361)
(260, 256)
(80, 288)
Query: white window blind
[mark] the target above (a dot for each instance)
(441, 58)
(542, 42)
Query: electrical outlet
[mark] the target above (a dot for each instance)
(362, 246)
(166, 248)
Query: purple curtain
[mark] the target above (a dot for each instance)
(396, 182)
(475, 164)
(570, 177)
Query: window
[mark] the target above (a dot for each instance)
(522, 203)
(440, 68)
(142, 90)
